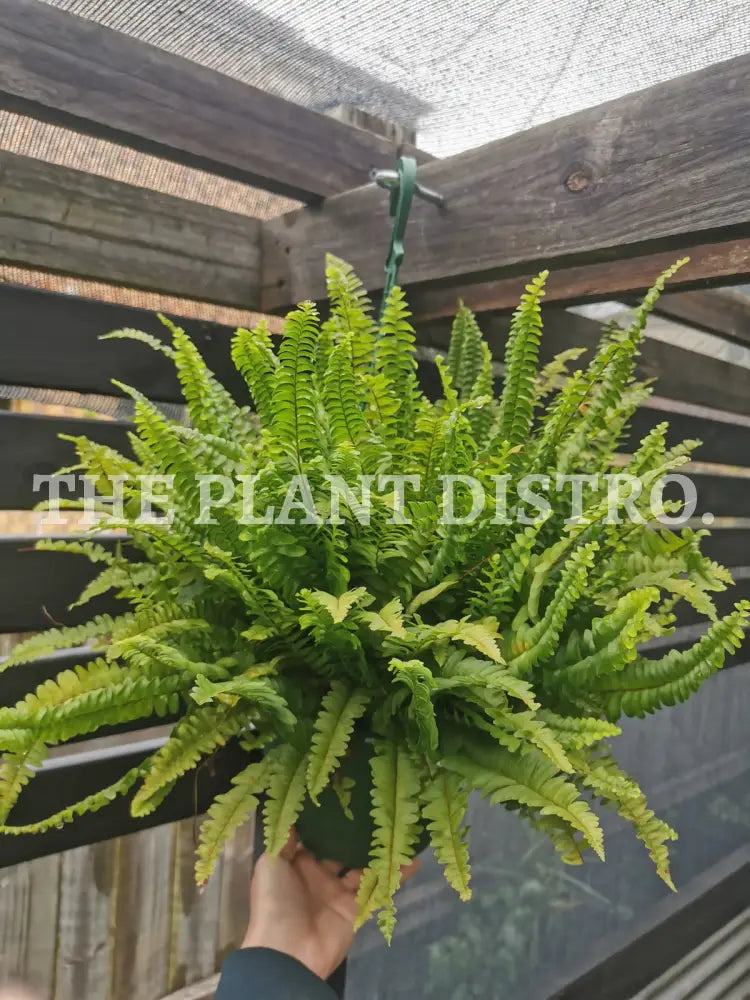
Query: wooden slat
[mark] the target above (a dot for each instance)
(84, 944)
(195, 914)
(713, 263)
(54, 789)
(52, 341)
(27, 929)
(75, 72)
(725, 311)
(37, 587)
(29, 446)
(728, 546)
(236, 869)
(142, 915)
(604, 183)
(69, 221)
(725, 436)
(680, 373)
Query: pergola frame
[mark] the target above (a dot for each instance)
(605, 198)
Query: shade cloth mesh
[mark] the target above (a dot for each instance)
(462, 71)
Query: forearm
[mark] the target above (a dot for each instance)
(266, 974)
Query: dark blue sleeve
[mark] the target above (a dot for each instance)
(264, 974)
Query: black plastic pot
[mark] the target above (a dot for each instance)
(327, 832)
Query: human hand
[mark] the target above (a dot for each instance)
(299, 906)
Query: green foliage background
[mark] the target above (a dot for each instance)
(484, 656)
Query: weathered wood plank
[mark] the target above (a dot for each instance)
(68, 781)
(234, 898)
(725, 311)
(41, 927)
(680, 373)
(37, 587)
(142, 915)
(195, 914)
(84, 944)
(69, 221)
(604, 183)
(713, 263)
(30, 446)
(52, 341)
(75, 72)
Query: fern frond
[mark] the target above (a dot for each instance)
(227, 813)
(334, 726)
(646, 685)
(521, 356)
(444, 802)
(198, 733)
(286, 787)
(530, 780)
(395, 812)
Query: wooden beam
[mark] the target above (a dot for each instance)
(37, 587)
(725, 311)
(680, 374)
(52, 341)
(709, 263)
(74, 72)
(77, 223)
(618, 180)
(71, 779)
(30, 445)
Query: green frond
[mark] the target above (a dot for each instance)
(228, 812)
(127, 333)
(293, 402)
(16, 770)
(197, 734)
(444, 801)
(210, 406)
(532, 644)
(53, 639)
(646, 685)
(287, 767)
(334, 726)
(395, 358)
(343, 398)
(521, 357)
(420, 683)
(395, 811)
(529, 780)
(91, 803)
(611, 784)
(254, 359)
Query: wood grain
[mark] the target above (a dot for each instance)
(84, 940)
(725, 311)
(680, 373)
(662, 169)
(143, 905)
(69, 221)
(74, 72)
(195, 913)
(709, 263)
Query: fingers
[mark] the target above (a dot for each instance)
(351, 880)
(292, 846)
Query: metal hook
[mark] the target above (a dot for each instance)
(388, 179)
(402, 185)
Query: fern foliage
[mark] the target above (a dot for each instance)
(485, 655)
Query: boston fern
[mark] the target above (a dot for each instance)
(473, 652)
